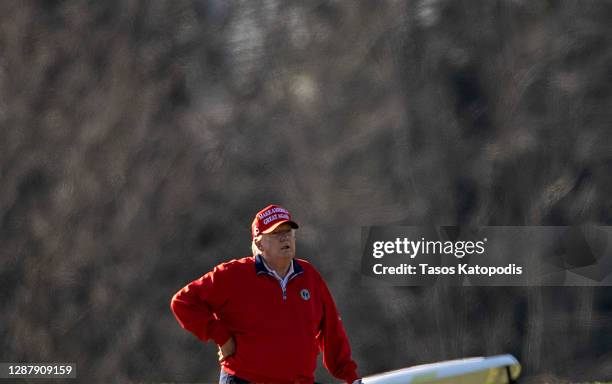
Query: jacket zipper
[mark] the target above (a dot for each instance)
(284, 289)
(288, 281)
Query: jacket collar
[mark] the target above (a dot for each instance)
(260, 267)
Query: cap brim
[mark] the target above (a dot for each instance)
(292, 223)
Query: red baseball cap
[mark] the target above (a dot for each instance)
(269, 218)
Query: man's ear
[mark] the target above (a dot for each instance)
(258, 244)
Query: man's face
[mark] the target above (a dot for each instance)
(279, 244)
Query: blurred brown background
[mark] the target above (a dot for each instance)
(139, 138)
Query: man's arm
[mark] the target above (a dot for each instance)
(333, 341)
(194, 307)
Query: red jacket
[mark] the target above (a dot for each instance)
(278, 334)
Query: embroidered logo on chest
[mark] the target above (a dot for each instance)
(304, 294)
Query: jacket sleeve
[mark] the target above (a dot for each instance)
(195, 305)
(333, 341)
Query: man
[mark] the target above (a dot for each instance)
(269, 313)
